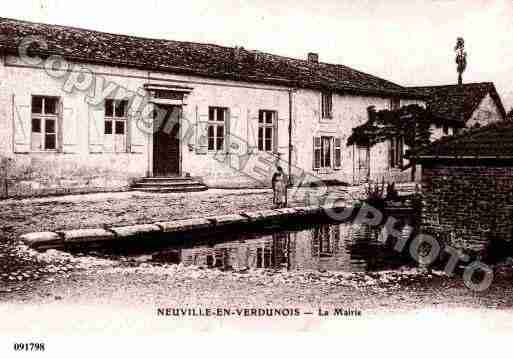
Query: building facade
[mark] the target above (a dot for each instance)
(101, 110)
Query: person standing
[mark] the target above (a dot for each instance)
(279, 185)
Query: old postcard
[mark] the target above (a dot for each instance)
(265, 172)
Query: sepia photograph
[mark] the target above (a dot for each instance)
(205, 178)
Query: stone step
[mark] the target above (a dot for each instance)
(167, 184)
(167, 179)
(163, 189)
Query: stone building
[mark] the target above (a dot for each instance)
(467, 182)
(92, 110)
(456, 107)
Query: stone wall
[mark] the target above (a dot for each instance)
(468, 206)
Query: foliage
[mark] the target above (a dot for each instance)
(411, 122)
(375, 194)
(392, 194)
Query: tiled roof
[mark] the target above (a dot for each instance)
(494, 141)
(195, 59)
(458, 103)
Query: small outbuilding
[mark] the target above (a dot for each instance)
(467, 183)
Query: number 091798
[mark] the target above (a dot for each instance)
(29, 347)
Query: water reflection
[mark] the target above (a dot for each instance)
(334, 247)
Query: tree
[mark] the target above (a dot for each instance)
(411, 123)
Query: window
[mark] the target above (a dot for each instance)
(327, 105)
(44, 123)
(267, 126)
(338, 153)
(395, 104)
(325, 240)
(396, 152)
(327, 152)
(264, 257)
(217, 117)
(115, 133)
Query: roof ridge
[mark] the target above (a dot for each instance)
(304, 61)
(452, 85)
(111, 33)
(202, 59)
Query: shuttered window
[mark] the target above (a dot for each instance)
(44, 123)
(115, 130)
(396, 152)
(267, 128)
(217, 117)
(327, 152)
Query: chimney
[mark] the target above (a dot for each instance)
(237, 53)
(371, 113)
(313, 57)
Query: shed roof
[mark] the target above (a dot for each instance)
(191, 58)
(494, 141)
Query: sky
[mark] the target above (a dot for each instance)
(410, 42)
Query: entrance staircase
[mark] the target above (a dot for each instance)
(169, 184)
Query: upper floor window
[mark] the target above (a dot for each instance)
(217, 117)
(267, 126)
(327, 104)
(44, 123)
(116, 115)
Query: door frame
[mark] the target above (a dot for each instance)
(180, 147)
(180, 94)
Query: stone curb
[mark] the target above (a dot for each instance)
(59, 239)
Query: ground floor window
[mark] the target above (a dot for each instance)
(325, 240)
(327, 152)
(44, 124)
(115, 134)
(267, 126)
(217, 119)
(396, 152)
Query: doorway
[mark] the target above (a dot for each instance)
(166, 141)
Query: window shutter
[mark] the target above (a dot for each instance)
(252, 135)
(137, 134)
(68, 129)
(400, 151)
(281, 128)
(201, 132)
(96, 130)
(227, 129)
(22, 126)
(235, 134)
(316, 155)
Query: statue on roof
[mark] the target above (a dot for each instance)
(461, 58)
